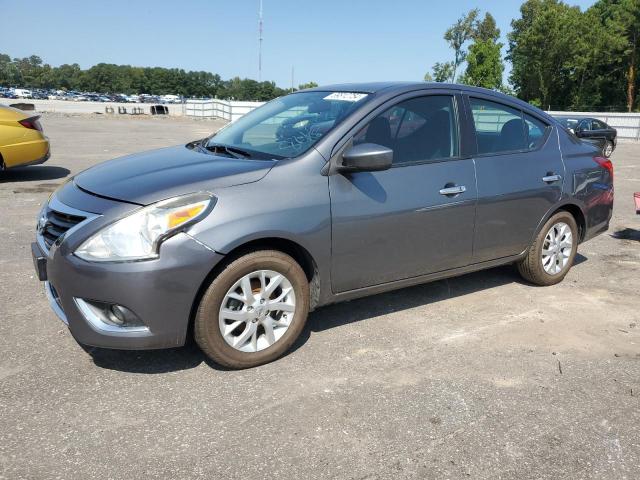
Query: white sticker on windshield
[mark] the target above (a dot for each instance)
(345, 96)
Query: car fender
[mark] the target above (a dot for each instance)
(563, 203)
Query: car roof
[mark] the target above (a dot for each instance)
(399, 87)
(390, 88)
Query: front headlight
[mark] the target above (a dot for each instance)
(138, 236)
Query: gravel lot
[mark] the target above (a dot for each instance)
(480, 376)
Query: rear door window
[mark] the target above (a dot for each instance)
(499, 128)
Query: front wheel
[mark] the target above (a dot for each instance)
(608, 149)
(253, 310)
(552, 253)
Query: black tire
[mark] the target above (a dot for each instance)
(607, 150)
(206, 327)
(531, 268)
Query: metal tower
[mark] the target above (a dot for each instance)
(260, 43)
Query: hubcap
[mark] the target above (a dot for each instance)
(557, 248)
(257, 310)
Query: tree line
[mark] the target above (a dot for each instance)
(31, 72)
(561, 58)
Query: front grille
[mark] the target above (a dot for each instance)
(57, 224)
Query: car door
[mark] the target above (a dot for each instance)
(519, 172)
(604, 131)
(598, 133)
(415, 218)
(588, 131)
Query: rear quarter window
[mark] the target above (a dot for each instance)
(536, 132)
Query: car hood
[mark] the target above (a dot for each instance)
(148, 177)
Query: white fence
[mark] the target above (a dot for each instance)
(627, 124)
(226, 109)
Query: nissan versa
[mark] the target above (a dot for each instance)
(317, 197)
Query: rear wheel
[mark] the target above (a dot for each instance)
(253, 310)
(552, 253)
(607, 151)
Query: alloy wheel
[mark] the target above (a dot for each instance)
(257, 310)
(557, 248)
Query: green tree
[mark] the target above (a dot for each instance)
(542, 51)
(484, 59)
(486, 29)
(484, 65)
(30, 70)
(307, 85)
(457, 35)
(442, 72)
(9, 72)
(620, 25)
(66, 77)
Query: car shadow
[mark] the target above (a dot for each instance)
(627, 234)
(148, 361)
(33, 173)
(332, 316)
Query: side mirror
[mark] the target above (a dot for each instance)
(366, 157)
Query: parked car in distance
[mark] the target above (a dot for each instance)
(7, 93)
(22, 93)
(236, 237)
(170, 99)
(22, 141)
(593, 131)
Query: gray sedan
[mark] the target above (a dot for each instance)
(317, 197)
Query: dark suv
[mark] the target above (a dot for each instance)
(317, 197)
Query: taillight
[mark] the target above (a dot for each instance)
(605, 163)
(31, 123)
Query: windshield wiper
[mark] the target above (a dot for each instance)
(233, 151)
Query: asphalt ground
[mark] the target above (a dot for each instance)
(481, 376)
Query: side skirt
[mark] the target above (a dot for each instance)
(409, 282)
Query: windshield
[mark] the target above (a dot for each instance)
(568, 122)
(287, 126)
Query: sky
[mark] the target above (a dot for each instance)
(325, 41)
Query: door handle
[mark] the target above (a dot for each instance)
(551, 178)
(453, 190)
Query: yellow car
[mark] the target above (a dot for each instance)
(21, 139)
